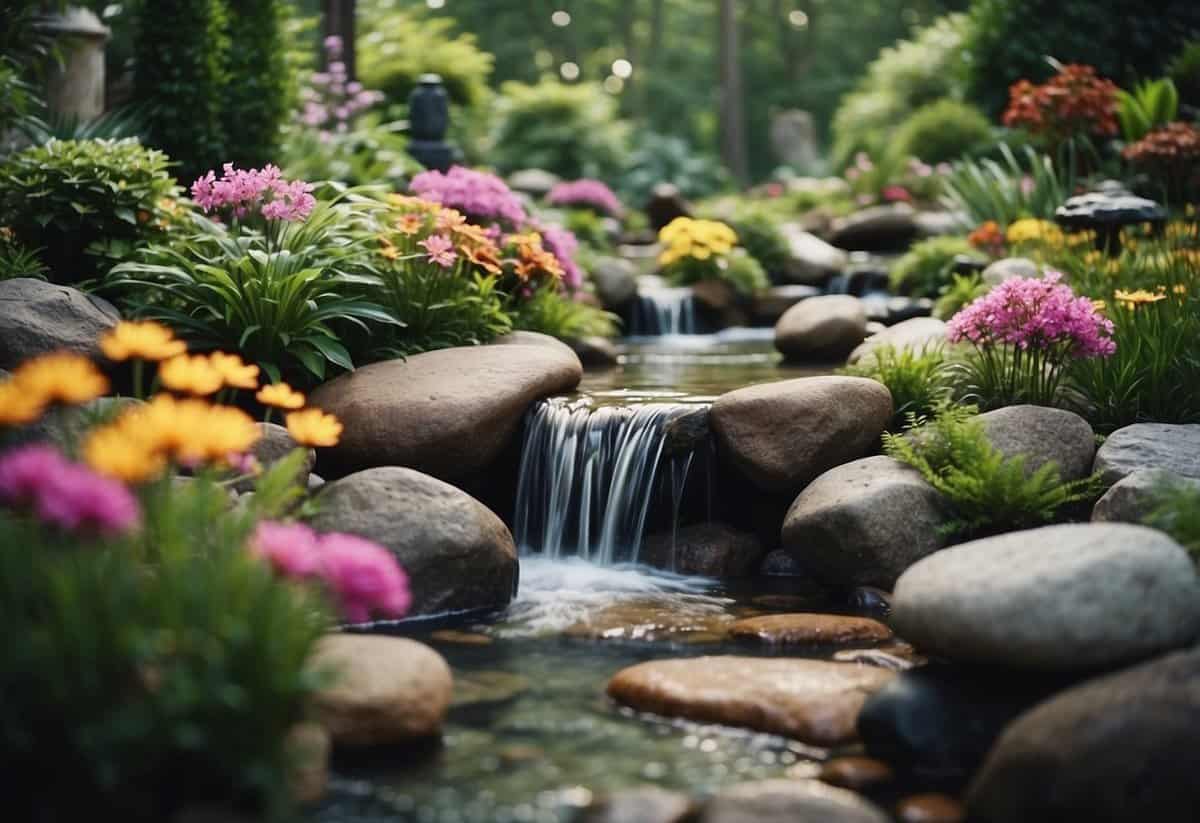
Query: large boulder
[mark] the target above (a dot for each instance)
(1133, 498)
(918, 334)
(811, 700)
(447, 413)
(789, 801)
(1117, 749)
(782, 435)
(863, 523)
(825, 327)
(457, 553)
(1175, 448)
(878, 228)
(709, 549)
(38, 317)
(1059, 598)
(385, 690)
(1043, 435)
(616, 281)
(811, 260)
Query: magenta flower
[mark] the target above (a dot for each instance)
(563, 244)
(586, 194)
(365, 577)
(246, 191)
(24, 473)
(440, 249)
(290, 548)
(483, 197)
(65, 494)
(896, 194)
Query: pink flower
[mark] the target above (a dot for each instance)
(246, 191)
(483, 197)
(896, 194)
(441, 250)
(563, 244)
(25, 471)
(65, 494)
(364, 576)
(333, 45)
(290, 548)
(586, 193)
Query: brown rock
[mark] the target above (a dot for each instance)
(856, 772)
(810, 629)
(653, 620)
(789, 801)
(474, 688)
(387, 689)
(645, 804)
(920, 334)
(930, 808)
(811, 700)
(824, 327)
(460, 638)
(709, 549)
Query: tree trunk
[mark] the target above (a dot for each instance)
(338, 19)
(733, 118)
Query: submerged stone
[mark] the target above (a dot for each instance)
(810, 630)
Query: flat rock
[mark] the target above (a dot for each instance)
(38, 317)
(829, 326)
(813, 701)
(1069, 597)
(387, 690)
(789, 801)
(644, 804)
(864, 523)
(457, 553)
(782, 435)
(475, 688)
(811, 260)
(810, 630)
(918, 334)
(654, 619)
(1117, 749)
(1043, 435)
(448, 413)
(1175, 448)
(878, 228)
(708, 549)
(1134, 497)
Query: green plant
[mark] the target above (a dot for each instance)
(1151, 104)
(1177, 512)
(368, 154)
(16, 260)
(20, 103)
(86, 203)
(115, 124)
(550, 311)
(941, 131)
(437, 309)
(917, 379)
(1184, 71)
(589, 227)
(962, 290)
(986, 492)
(928, 266)
(1006, 190)
(759, 234)
(258, 95)
(660, 158)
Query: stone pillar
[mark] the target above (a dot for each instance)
(75, 88)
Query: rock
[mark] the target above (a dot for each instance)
(856, 772)
(930, 808)
(38, 317)
(789, 801)
(387, 690)
(1133, 498)
(1043, 435)
(864, 523)
(810, 630)
(308, 746)
(919, 334)
(829, 326)
(813, 701)
(686, 431)
(941, 223)
(708, 549)
(665, 204)
(475, 688)
(458, 555)
(938, 721)
(653, 620)
(811, 261)
(897, 657)
(1117, 749)
(870, 599)
(771, 304)
(644, 804)
(716, 295)
(315, 481)
(794, 143)
(274, 445)
(66, 426)
(447, 413)
(1009, 268)
(534, 182)
(535, 338)
(778, 563)
(616, 281)
(594, 351)
(879, 228)
(1175, 448)
(784, 434)
(1070, 597)
(460, 638)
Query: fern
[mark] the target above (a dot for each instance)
(917, 380)
(1177, 512)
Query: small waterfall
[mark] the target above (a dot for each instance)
(588, 476)
(660, 309)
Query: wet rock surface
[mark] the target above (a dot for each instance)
(706, 549)
(789, 801)
(918, 334)
(810, 630)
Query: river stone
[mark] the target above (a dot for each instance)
(811, 261)
(878, 228)
(1133, 498)
(930, 808)
(784, 434)
(856, 772)
(653, 619)
(918, 334)
(708, 549)
(38, 317)
(1117, 749)
(772, 303)
(864, 523)
(810, 630)
(534, 338)
(1175, 448)
(477, 688)
(534, 182)
(1043, 435)
(615, 280)
(458, 555)
(644, 804)
(686, 431)
(813, 701)
(594, 351)
(1069, 597)
(789, 801)
(386, 690)
(448, 413)
(828, 326)
(1010, 268)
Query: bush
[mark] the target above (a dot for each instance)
(941, 132)
(258, 94)
(928, 267)
(1178, 514)
(987, 493)
(759, 234)
(659, 158)
(1184, 70)
(1171, 155)
(918, 380)
(364, 155)
(1152, 104)
(86, 203)
(549, 311)
(1032, 185)
(17, 260)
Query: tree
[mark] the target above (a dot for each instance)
(733, 132)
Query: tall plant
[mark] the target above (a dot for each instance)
(258, 95)
(1031, 186)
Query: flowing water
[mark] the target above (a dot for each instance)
(660, 309)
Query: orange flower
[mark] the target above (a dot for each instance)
(449, 219)
(144, 340)
(18, 406)
(388, 250)
(486, 258)
(233, 371)
(313, 427)
(191, 375)
(281, 396)
(110, 451)
(60, 377)
(410, 224)
(471, 233)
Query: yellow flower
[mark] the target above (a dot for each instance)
(387, 250)
(668, 256)
(281, 396)
(1030, 230)
(188, 430)
(1099, 305)
(235, 373)
(191, 375)
(701, 252)
(17, 406)
(313, 427)
(1135, 298)
(61, 377)
(144, 340)
(111, 451)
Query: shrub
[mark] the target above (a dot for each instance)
(1184, 70)
(941, 131)
(549, 311)
(660, 158)
(1172, 156)
(759, 234)
(1153, 103)
(589, 228)
(1074, 103)
(918, 380)
(19, 100)
(363, 155)
(482, 197)
(987, 493)
(929, 265)
(696, 250)
(1002, 192)
(257, 96)
(962, 290)
(86, 203)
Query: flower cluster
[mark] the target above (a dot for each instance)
(529, 262)
(1035, 314)
(245, 192)
(588, 194)
(51, 379)
(482, 197)
(1074, 101)
(362, 575)
(685, 237)
(988, 237)
(332, 100)
(64, 494)
(1173, 153)
(563, 245)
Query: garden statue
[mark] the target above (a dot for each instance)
(75, 88)
(429, 118)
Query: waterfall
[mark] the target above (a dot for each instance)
(660, 309)
(588, 476)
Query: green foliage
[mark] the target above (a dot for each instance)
(942, 131)
(365, 155)
(20, 102)
(737, 268)
(570, 130)
(1013, 187)
(115, 124)
(153, 672)
(86, 202)
(16, 260)
(588, 227)
(1185, 73)
(1178, 514)
(759, 234)
(552, 312)
(918, 380)
(180, 52)
(962, 290)
(257, 95)
(659, 158)
(1151, 104)
(987, 493)
(437, 309)
(928, 267)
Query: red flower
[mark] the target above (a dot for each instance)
(1074, 101)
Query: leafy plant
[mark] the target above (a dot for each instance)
(986, 492)
(1151, 104)
(928, 266)
(759, 234)
(549, 311)
(696, 250)
(1172, 156)
(1184, 71)
(941, 131)
(963, 290)
(917, 379)
(1178, 514)
(115, 124)
(17, 260)
(589, 228)
(660, 158)
(367, 154)
(1006, 190)
(1075, 103)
